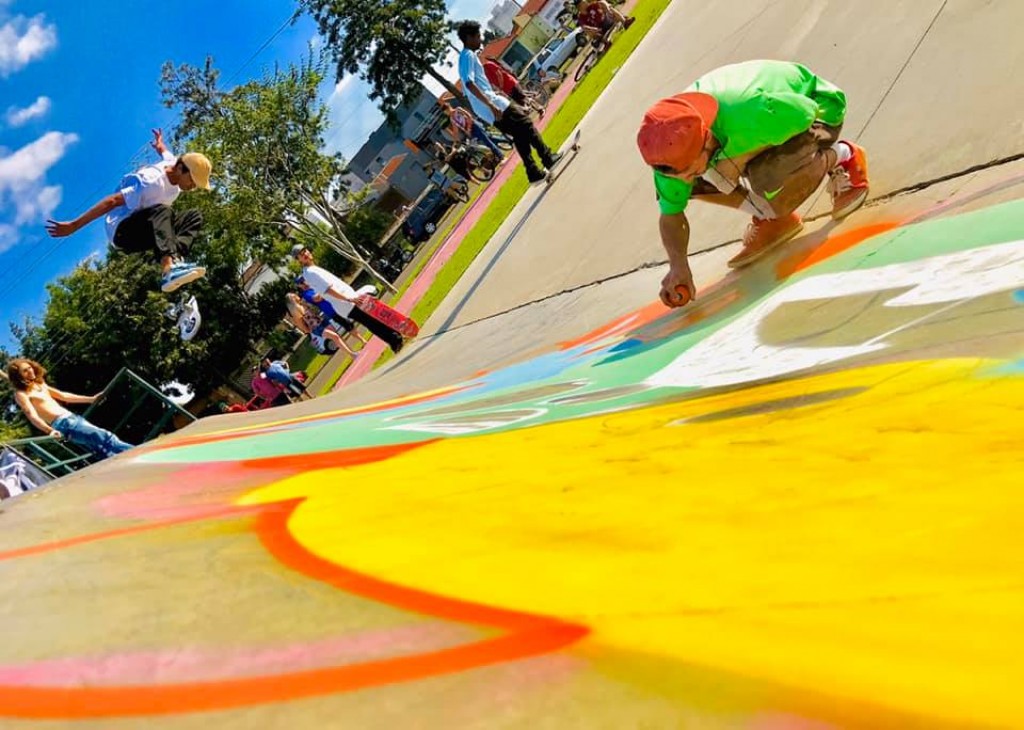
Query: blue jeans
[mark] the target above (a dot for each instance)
(480, 135)
(97, 440)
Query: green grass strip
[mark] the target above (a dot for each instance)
(565, 120)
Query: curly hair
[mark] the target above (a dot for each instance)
(16, 378)
(468, 29)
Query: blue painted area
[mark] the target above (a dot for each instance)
(1018, 296)
(531, 371)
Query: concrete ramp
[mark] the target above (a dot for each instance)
(794, 504)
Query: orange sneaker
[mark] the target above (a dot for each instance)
(763, 235)
(848, 183)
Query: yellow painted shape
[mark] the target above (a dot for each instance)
(868, 547)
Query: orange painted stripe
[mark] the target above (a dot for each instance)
(830, 247)
(528, 635)
(625, 323)
(48, 547)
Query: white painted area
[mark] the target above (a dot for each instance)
(735, 354)
(487, 421)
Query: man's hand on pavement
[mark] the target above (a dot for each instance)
(677, 288)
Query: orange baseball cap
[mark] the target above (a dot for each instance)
(673, 130)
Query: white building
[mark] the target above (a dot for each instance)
(502, 16)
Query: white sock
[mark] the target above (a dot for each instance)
(844, 153)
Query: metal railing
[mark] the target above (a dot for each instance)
(60, 458)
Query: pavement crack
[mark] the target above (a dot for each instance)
(885, 197)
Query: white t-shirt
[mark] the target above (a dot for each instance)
(319, 280)
(144, 188)
(471, 71)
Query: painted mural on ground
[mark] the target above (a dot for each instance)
(791, 504)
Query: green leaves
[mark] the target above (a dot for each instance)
(391, 44)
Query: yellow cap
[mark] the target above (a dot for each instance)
(199, 168)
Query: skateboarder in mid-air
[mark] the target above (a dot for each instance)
(139, 216)
(342, 297)
(758, 136)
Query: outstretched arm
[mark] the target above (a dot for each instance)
(59, 229)
(25, 403)
(338, 295)
(72, 397)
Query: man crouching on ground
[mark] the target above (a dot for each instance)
(757, 136)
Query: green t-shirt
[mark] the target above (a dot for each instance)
(760, 104)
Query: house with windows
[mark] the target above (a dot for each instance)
(388, 148)
(534, 25)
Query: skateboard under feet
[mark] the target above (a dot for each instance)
(574, 147)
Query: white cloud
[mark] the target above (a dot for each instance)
(36, 204)
(8, 236)
(16, 117)
(30, 163)
(25, 198)
(23, 40)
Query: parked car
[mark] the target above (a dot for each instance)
(422, 220)
(555, 54)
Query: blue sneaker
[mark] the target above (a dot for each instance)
(180, 275)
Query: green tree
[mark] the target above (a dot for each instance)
(101, 318)
(366, 224)
(265, 139)
(13, 425)
(392, 45)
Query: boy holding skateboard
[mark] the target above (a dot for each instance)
(758, 136)
(139, 216)
(343, 298)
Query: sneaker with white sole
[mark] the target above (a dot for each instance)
(848, 183)
(190, 319)
(179, 275)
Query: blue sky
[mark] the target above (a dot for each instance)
(79, 93)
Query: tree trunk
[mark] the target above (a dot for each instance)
(446, 84)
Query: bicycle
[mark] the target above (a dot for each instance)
(473, 160)
(597, 49)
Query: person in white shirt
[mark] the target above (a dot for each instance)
(139, 216)
(494, 108)
(342, 297)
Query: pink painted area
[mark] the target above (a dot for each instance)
(199, 664)
(373, 349)
(193, 491)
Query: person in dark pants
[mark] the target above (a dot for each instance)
(342, 297)
(505, 82)
(139, 216)
(494, 108)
